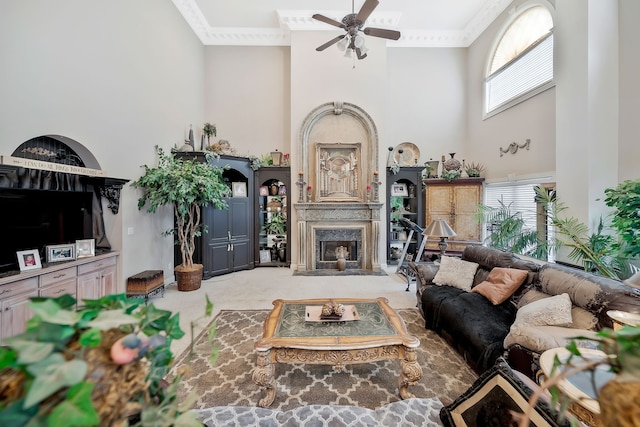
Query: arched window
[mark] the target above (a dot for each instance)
(522, 63)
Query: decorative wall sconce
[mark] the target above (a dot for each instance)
(513, 148)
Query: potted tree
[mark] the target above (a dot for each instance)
(187, 185)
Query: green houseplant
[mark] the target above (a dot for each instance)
(625, 199)
(101, 364)
(187, 186)
(209, 130)
(277, 224)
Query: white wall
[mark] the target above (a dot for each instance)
(117, 76)
(427, 100)
(629, 56)
(532, 119)
(247, 91)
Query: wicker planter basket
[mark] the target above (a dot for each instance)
(189, 280)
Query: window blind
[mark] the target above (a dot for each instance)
(527, 72)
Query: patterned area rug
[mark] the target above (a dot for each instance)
(368, 385)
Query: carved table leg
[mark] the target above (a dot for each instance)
(411, 372)
(263, 375)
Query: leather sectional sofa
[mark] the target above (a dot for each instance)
(482, 331)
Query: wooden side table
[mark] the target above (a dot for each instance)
(578, 388)
(623, 318)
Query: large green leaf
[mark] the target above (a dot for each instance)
(52, 374)
(112, 319)
(49, 311)
(77, 410)
(29, 351)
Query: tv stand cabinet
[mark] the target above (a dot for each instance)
(84, 278)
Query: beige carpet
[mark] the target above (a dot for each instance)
(370, 385)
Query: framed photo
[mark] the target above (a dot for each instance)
(264, 190)
(29, 260)
(57, 253)
(265, 256)
(399, 190)
(239, 189)
(85, 248)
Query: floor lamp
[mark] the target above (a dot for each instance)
(439, 228)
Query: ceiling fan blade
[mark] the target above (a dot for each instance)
(327, 20)
(330, 42)
(366, 10)
(381, 32)
(360, 54)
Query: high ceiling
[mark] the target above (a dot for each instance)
(444, 23)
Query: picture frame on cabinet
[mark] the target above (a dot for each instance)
(264, 190)
(29, 260)
(85, 248)
(58, 253)
(265, 256)
(239, 189)
(399, 190)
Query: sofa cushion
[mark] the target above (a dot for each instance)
(500, 284)
(490, 400)
(431, 300)
(580, 318)
(553, 311)
(456, 272)
(476, 326)
(593, 293)
(542, 338)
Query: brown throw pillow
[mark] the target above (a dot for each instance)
(500, 284)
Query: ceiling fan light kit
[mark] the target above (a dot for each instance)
(353, 40)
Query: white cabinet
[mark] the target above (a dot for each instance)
(96, 279)
(85, 278)
(14, 300)
(58, 283)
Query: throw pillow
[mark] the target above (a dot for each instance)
(553, 311)
(456, 272)
(491, 399)
(500, 284)
(542, 338)
(530, 296)
(581, 318)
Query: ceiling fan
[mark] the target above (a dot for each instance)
(352, 24)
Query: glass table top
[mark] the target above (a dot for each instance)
(373, 322)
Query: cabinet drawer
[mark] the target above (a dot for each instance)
(96, 265)
(19, 287)
(66, 287)
(57, 276)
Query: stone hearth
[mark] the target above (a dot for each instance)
(319, 222)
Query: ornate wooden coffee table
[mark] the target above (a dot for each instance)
(379, 334)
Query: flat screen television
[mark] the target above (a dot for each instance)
(33, 219)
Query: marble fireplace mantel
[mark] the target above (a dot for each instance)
(338, 216)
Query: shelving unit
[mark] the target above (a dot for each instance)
(272, 205)
(404, 200)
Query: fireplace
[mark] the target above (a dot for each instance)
(329, 240)
(338, 151)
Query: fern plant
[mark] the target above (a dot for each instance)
(509, 232)
(595, 251)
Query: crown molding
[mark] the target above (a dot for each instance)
(300, 20)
